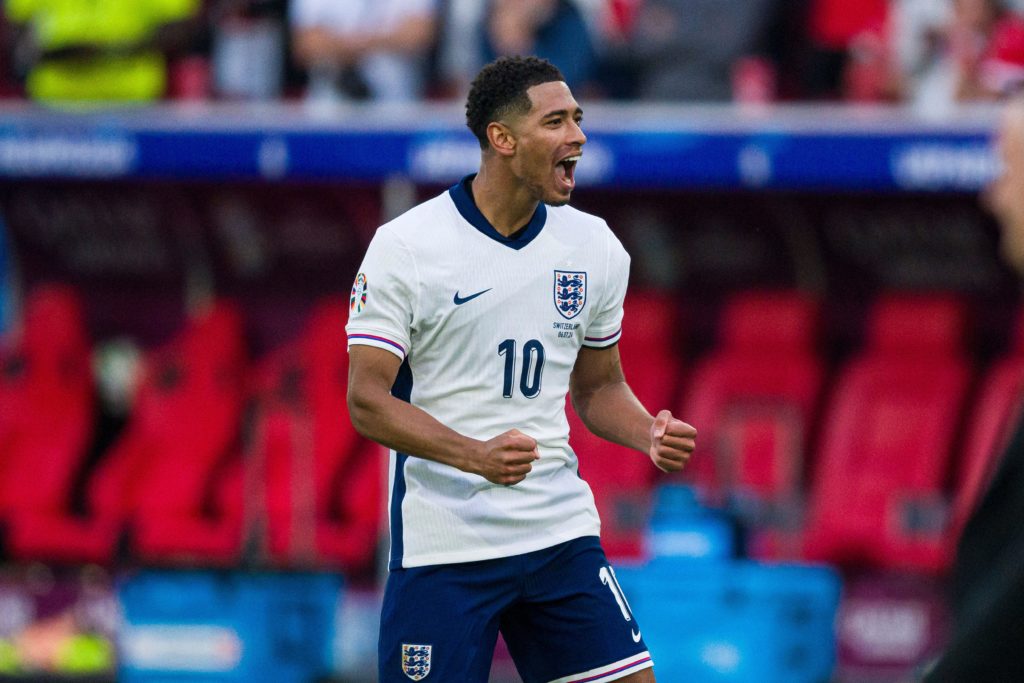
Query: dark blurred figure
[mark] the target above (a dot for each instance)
(690, 50)
(87, 51)
(988, 575)
(363, 49)
(554, 30)
(841, 32)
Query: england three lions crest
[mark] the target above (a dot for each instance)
(416, 661)
(570, 293)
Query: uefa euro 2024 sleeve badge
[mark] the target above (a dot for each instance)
(416, 661)
(570, 292)
(357, 302)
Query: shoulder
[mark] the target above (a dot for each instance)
(578, 220)
(583, 227)
(422, 225)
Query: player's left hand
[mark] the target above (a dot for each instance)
(672, 442)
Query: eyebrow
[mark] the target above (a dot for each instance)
(562, 112)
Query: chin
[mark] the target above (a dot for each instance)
(557, 199)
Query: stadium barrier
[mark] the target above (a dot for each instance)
(227, 626)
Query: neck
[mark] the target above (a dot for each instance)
(502, 199)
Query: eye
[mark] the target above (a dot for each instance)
(554, 122)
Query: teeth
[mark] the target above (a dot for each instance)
(572, 159)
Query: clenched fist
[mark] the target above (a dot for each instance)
(672, 442)
(507, 458)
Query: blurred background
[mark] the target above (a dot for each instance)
(186, 191)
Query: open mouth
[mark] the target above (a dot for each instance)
(566, 170)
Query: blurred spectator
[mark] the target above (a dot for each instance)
(458, 59)
(88, 51)
(360, 49)
(474, 32)
(621, 15)
(1001, 71)
(249, 49)
(971, 40)
(919, 42)
(957, 51)
(10, 83)
(552, 29)
(686, 50)
(843, 32)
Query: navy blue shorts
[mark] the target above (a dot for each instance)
(560, 611)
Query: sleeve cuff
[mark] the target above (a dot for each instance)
(602, 341)
(363, 339)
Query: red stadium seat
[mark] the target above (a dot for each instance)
(879, 496)
(162, 470)
(998, 408)
(323, 488)
(621, 478)
(47, 405)
(213, 538)
(753, 403)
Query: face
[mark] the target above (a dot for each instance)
(1006, 194)
(548, 143)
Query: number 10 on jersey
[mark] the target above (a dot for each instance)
(533, 367)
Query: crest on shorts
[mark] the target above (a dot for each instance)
(570, 292)
(416, 661)
(357, 302)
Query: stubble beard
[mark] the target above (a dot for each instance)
(540, 192)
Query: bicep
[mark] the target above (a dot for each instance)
(595, 368)
(371, 372)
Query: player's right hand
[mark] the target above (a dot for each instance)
(507, 458)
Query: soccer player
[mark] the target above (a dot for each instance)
(988, 575)
(472, 316)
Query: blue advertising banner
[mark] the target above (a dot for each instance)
(633, 146)
(227, 626)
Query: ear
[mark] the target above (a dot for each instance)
(501, 138)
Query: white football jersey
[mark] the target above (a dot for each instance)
(489, 328)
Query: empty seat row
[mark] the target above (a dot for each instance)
(213, 462)
(875, 462)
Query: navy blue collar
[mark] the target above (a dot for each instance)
(462, 195)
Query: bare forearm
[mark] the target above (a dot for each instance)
(412, 36)
(318, 45)
(408, 429)
(614, 413)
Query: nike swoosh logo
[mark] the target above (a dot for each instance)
(636, 636)
(461, 300)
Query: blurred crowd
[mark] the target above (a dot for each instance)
(931, 53)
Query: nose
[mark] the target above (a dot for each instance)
(576, 134)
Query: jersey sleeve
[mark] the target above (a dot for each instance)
(605, 329)
(383, 296)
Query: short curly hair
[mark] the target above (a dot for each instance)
(500, 90)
